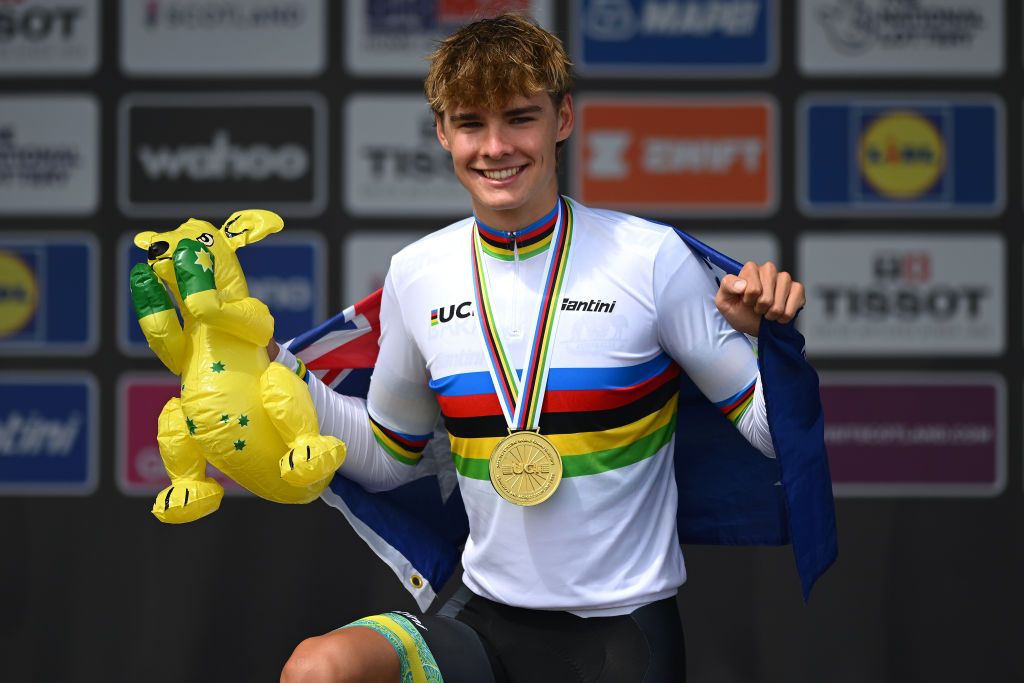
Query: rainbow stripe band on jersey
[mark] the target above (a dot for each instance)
(405, 448)
(521, 400)
(736, 406)
(599, 419)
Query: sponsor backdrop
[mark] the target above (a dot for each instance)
(872, 147)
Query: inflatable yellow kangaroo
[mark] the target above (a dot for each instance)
(250, 418)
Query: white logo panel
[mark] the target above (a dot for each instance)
(366, 257)
(886, 38)
(394, 163)
(49, 160)
(237, 37)
(49, 37)
(903, 295)
(389, 38)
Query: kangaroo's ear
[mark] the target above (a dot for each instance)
(250, 225)
(144, 239)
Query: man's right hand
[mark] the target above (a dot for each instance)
(272, 350)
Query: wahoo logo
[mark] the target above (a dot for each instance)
(222, 160)
(203, 153)
(447, 313)
(592, 306)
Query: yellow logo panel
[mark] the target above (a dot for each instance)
(901, 155)
(19, 294)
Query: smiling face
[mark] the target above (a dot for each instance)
(506, 158)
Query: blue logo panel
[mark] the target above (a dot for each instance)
(286, 272)
(48, 294)
(48, 433)
(922, 157)
(666, 38)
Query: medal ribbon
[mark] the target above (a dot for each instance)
(521, 399)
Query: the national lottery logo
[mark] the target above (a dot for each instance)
(677, 156)
(902, 154)
(859, 25)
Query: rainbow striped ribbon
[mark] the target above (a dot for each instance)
(521, 399)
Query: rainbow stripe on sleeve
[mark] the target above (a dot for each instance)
(405, 448)
(599, 419)
(736, 406)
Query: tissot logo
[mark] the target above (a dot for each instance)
(35, 24)
(217, 153)
(903, 294)
(444, 314)
(591, 306)
(902, 291)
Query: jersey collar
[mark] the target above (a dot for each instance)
(534, 239)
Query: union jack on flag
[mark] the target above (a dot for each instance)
(343, 350)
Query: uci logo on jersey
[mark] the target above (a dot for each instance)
(445, 314)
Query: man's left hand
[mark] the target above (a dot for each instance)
(759, 291)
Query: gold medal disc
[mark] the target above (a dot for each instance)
(525, 468)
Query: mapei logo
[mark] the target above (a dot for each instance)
(618, 20)
(208, 154)
(681, 155)
(672, 37)
(902, 154)
(444, 314)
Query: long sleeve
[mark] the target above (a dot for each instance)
(719, 360)
(387, 432)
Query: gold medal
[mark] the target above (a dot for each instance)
(525, 468)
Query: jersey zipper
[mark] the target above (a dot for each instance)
(516, 331)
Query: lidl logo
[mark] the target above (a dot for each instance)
(677, 155)
(48, 294)
(902, 154)
(881, 155)
(19, 293)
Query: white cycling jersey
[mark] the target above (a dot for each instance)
(637, 310)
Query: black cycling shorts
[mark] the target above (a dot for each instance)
(474, 640)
